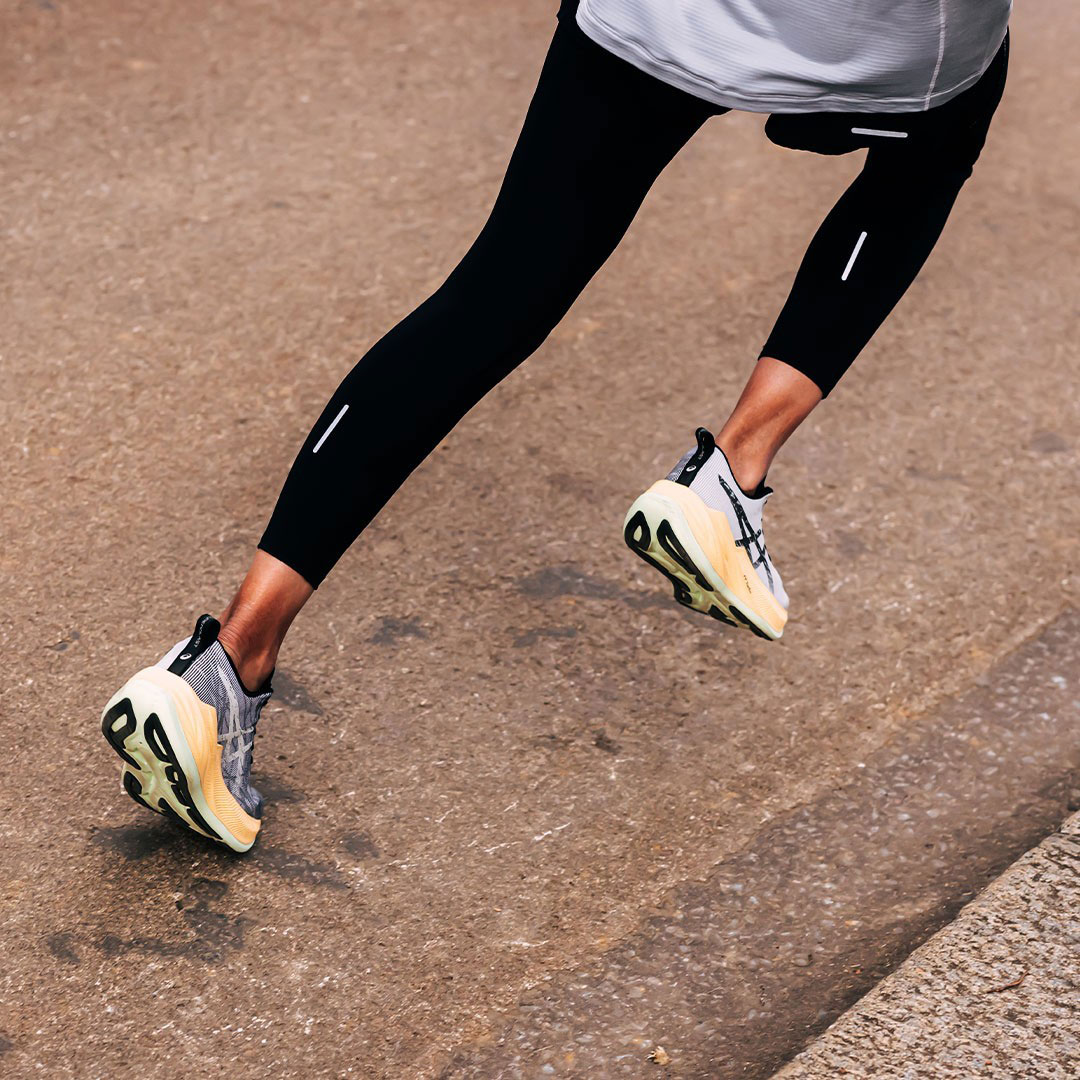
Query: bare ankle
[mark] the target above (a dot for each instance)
(253, 661)
(258, 617)
(776, 399)
(747, 465)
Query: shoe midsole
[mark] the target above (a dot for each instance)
(707, 536)
(190, 726)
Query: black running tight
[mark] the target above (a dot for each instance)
(597, 134)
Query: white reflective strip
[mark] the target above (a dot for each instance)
(847, 269)
(879, 131)
(344, 410)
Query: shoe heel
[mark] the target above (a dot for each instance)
(649, 534)
(658, 529)
(167, 739)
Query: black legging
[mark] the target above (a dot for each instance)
(597, 134)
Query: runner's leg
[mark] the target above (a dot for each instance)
(859, 264)
(597, 134)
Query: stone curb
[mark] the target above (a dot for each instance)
(996, 993)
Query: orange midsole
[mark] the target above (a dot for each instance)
(199, 724)
(731, 563)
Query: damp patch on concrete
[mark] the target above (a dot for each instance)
(291, 866)
(291, 693)
(1048, 442)
(391, 630)
(531, 637)
(360, 845)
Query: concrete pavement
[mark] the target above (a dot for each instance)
(735, 967)
(499, 753)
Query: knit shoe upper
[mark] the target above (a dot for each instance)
(706, 472)
(202, 662)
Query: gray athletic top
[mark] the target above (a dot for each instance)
(801, 56)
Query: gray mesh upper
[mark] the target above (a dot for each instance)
(214, 680)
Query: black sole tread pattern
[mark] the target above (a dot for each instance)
(639, 539)
(158, 744)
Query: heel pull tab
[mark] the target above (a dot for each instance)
(692, 465)
(206, 632)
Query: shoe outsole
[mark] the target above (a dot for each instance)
(656, 530)
(145, 722)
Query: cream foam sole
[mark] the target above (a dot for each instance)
(167, 738)
(692, 546)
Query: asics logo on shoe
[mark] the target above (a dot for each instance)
(245, 740)
(749, 534)
(235, 740)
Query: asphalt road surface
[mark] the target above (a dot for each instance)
(527, 817)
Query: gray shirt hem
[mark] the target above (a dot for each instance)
(693, 83)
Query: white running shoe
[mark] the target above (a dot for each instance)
(185, 729)
(703, 533)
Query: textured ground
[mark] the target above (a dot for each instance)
(498, 752)
(736, 966)
(997, 993)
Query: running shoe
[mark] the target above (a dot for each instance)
(185, 729)
(703, 533)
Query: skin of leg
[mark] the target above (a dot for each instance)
(775, 401)
(257, 619)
